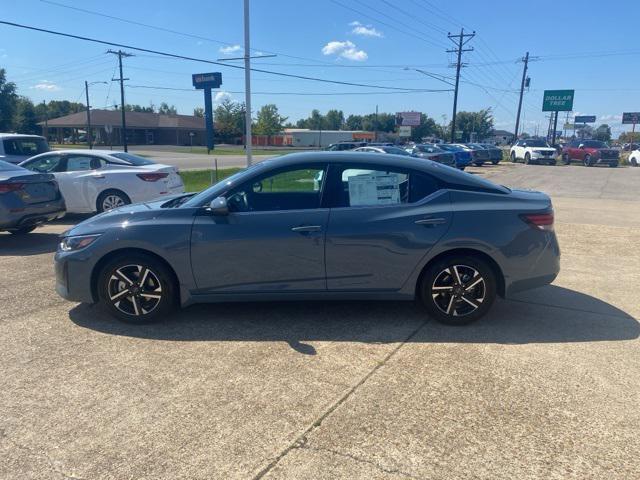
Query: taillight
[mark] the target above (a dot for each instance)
(541, 221)
(152, 177)
(10, 187)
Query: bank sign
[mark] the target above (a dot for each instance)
(207, 80)
(557, 101)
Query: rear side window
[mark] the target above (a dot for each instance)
(359, 186)
(25, 146)
(45, 164)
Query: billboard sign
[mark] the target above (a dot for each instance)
(408, 119)
(584, 119)
(557, 101)
(206, 80)
(404, 131)
(631, 117)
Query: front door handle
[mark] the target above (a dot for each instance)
(431, 222)
(307, 228)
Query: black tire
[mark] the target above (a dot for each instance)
(139, 305)
(494, 162)
(613, 165)
(103, 199)
(634, 162)
(478, 164)
(587, 161)
(565, 159)
(513, 157)
(552, 163)
(527, 158)
(23, 230)
(444, 306)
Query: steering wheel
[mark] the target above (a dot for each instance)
(238, 202)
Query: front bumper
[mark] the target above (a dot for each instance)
(73, 272)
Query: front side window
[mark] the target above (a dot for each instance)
(361, 187)
(290, 189)
(45, 164)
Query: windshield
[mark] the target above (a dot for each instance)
(25, 146)
(595, 144)
(132, 159)
(537, 143)
(395, 151)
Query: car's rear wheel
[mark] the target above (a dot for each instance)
(634, 162)
(513, 157)
(458, 290)
(137, 288)
(565, 159)
(527, 158)
(23, 230)
(587, 161)
(110, 199)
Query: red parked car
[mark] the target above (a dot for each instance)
(590, 153)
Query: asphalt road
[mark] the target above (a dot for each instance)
(546, 387)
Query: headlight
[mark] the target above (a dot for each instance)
(69, 244)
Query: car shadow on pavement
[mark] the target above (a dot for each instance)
(34, 243)
(547, 315)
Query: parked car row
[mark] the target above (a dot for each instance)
(588, 152)
(44, 187)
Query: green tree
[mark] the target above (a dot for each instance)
(427, 128)
(198, 112)
(229, 120)
(26, 118)
(480, 122)
(269, 121)
(165, 109)
(603, 133)
(8, 102)
(334, 120)
(628, 137)
(354, 122)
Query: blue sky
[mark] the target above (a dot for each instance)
(585, 45)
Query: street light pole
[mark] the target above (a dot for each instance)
(247, 83)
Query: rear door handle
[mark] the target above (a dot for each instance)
(307, 228)
(430, 222)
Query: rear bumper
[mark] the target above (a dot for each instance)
(541, 269)
(31, 216)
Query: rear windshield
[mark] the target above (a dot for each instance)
(27, 146)
(132, 159)
(395, 150)
(6, 166)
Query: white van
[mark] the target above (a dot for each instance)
(16, 148)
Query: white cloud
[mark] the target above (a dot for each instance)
(346, 50)
(365, 30)
(221, 95)
(231, 49)
(46, 85)
(609, 117)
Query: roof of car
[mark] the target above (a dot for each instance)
(19, 135)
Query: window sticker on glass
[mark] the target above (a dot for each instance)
(381, 189)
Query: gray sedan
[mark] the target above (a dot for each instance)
(318, 225)
(27, 199)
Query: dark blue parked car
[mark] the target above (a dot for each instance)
(318, 225)
(463, 156)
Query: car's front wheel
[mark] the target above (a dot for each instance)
(634, 162)
(458, 290)
(513, 157)
(527, 158)
(137, 288)
(587, 161)
(110, 199)
(565, 159)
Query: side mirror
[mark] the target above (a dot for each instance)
(581, 146)
(218, 206)
(524, 144)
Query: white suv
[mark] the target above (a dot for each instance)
(16, 148)
(533, 150)
(634, 158)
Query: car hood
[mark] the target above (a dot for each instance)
(122, 217)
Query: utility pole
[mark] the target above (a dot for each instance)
(86, 90)
(375, 132)
(121, 54)
(459, 41)
(247, 84)
(524, 77)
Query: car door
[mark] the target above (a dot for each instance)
(272, 241)
(383, 222)
(80, 182)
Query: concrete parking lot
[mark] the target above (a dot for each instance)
(547, 386)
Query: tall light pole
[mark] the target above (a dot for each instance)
(247, 83)
(86, 90)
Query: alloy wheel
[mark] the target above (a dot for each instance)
(458, 290)
(112, 201)
(134, 290)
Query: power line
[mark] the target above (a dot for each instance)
(153, 87)
(194, 59)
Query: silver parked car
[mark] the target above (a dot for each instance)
(434, 153)
(27, 199)
(16, 148)
(317, 225)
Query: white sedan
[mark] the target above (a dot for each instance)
(99, 180)
(634, 158)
